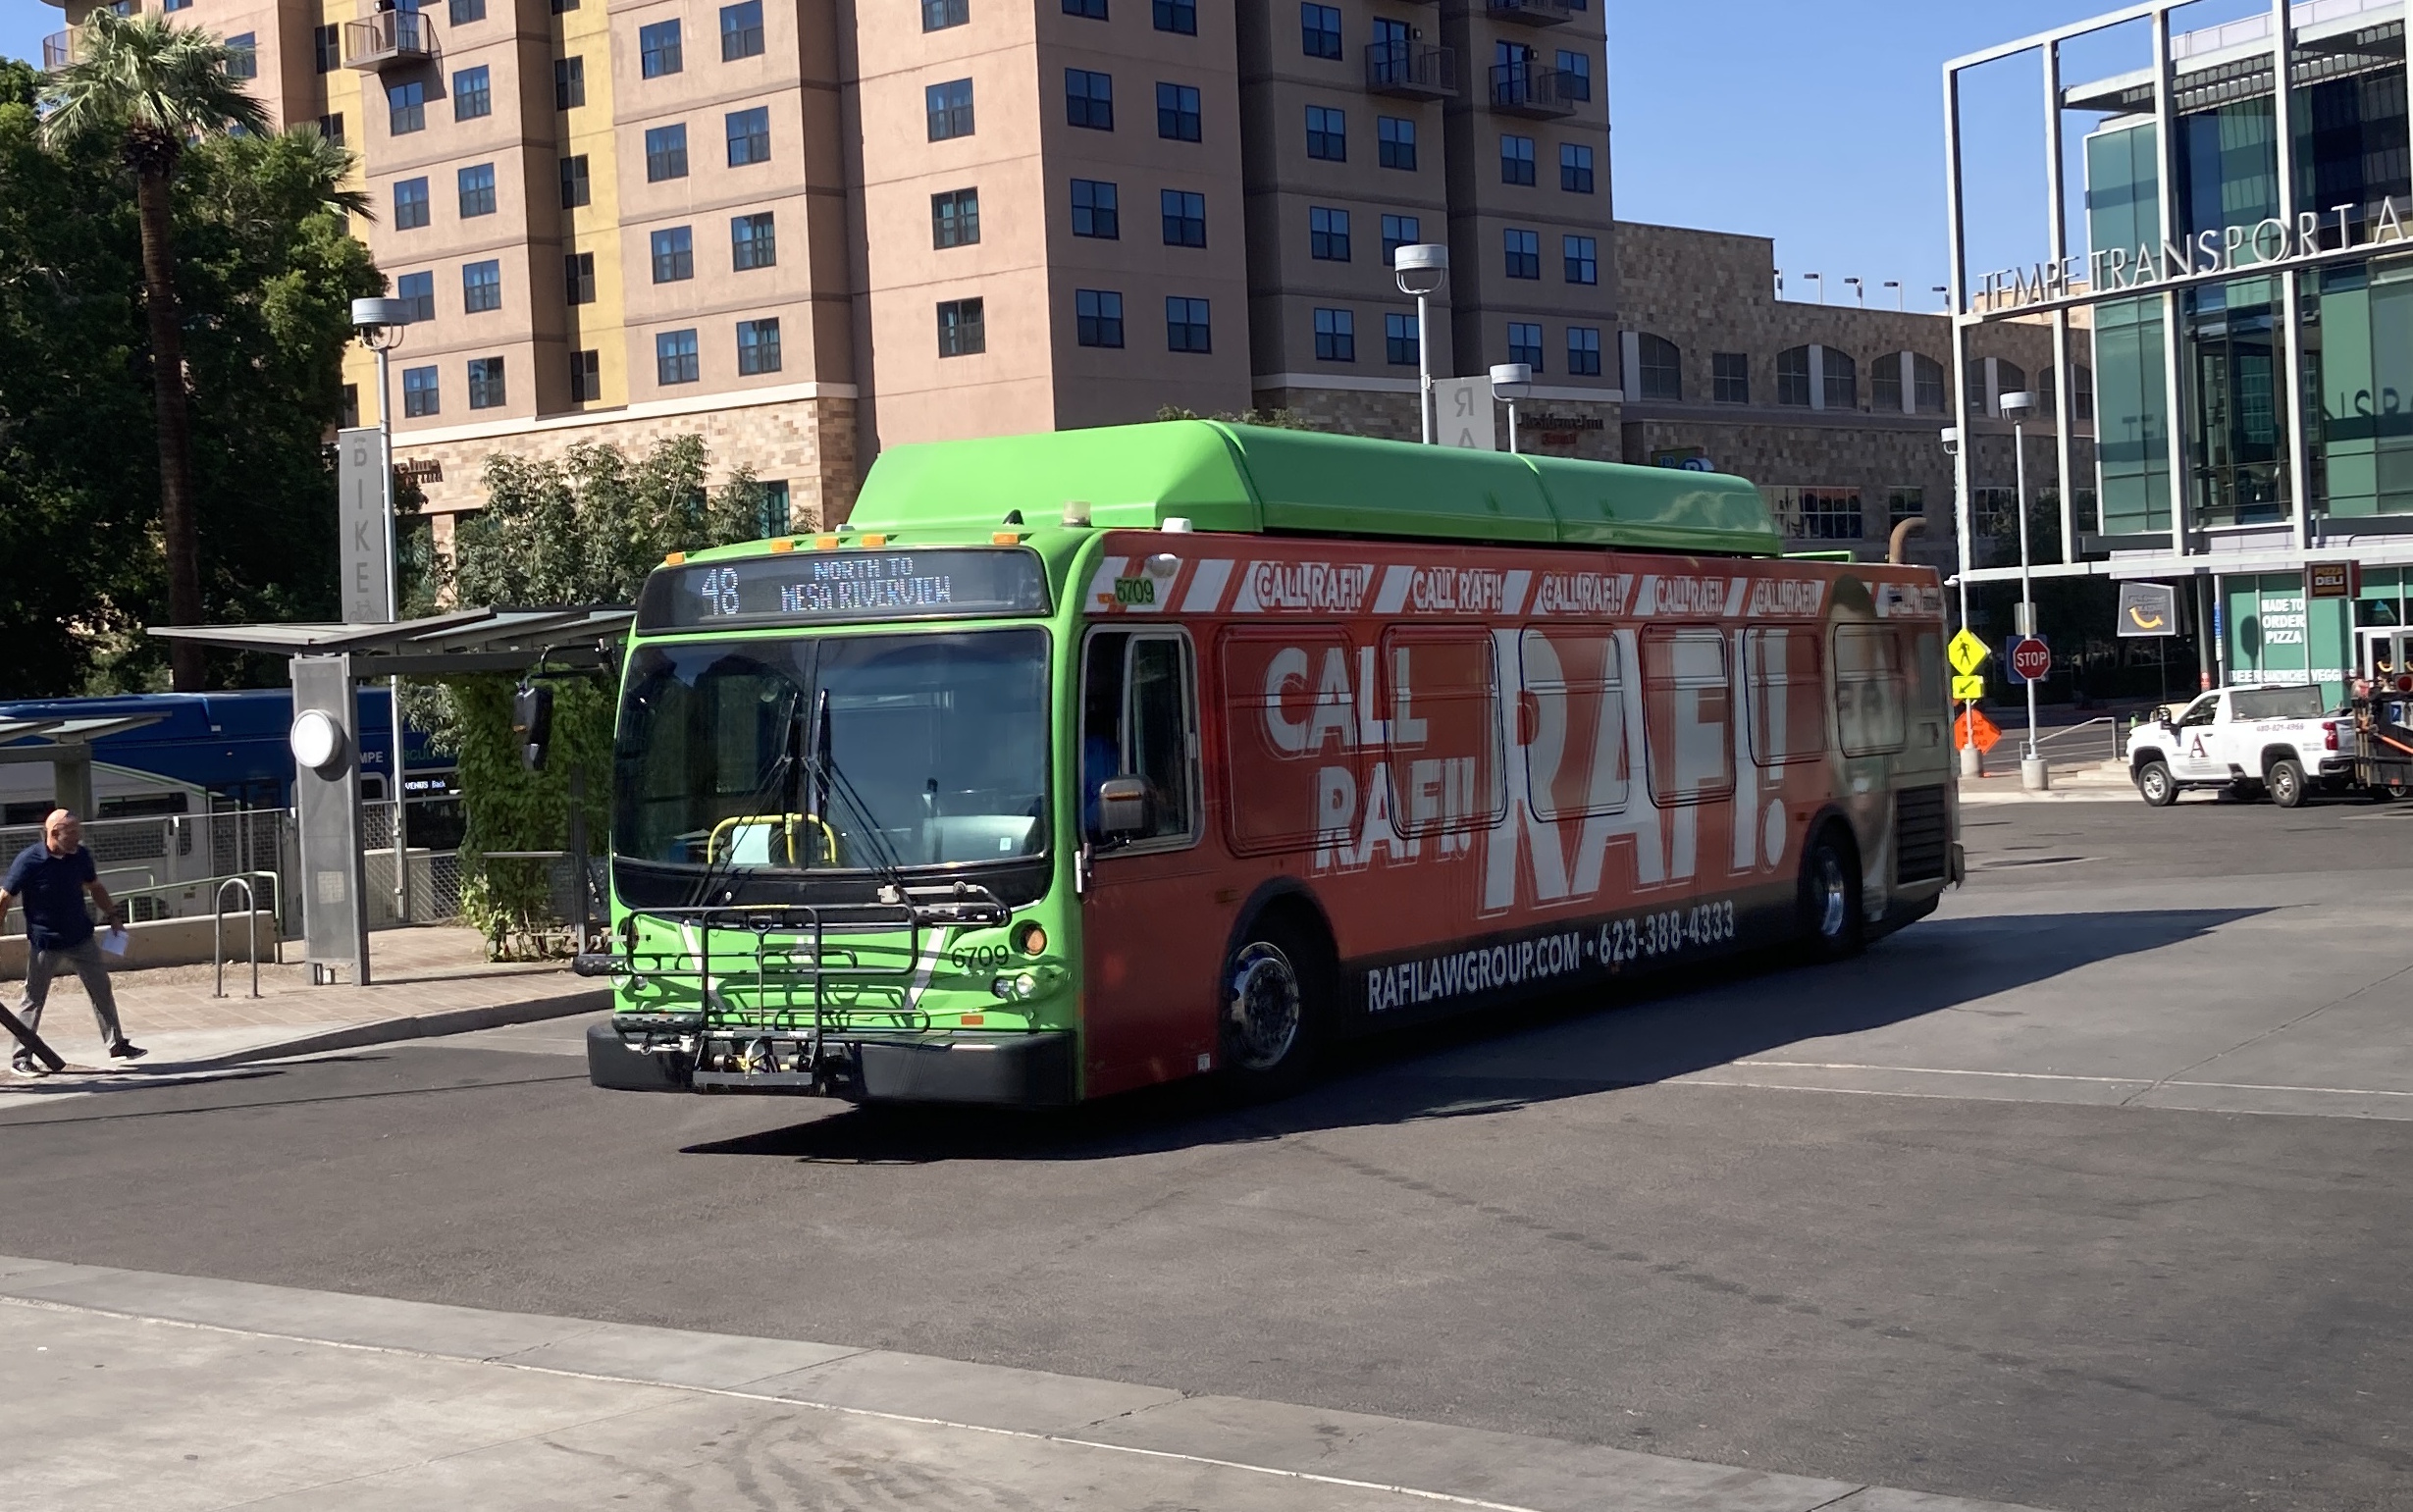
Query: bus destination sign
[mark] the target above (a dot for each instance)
(821, 586)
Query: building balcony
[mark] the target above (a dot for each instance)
(1531, 13)
(388, 39)
(1529, 89)
(1412, 69)
(58, 51)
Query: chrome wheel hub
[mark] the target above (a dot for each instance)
(1834, 896)
(1264, 1006)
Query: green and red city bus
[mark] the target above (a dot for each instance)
(1083, 761)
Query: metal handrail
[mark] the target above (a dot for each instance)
(218, 933)
(2075, 728)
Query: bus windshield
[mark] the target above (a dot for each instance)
(835, 752)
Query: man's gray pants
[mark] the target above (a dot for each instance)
(85, 959)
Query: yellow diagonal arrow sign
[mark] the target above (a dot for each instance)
(1968, 652)
(1968, 690)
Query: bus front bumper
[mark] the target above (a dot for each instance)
(1022, 1071)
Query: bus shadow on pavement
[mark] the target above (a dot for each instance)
(1553, 1049)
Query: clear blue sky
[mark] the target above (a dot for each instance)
(1816, 122)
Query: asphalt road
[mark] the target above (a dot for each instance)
(2093, 1192)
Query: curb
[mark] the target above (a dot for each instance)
(383, 1031)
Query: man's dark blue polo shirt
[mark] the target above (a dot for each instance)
(51, 887)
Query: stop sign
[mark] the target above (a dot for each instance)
(2031, 658)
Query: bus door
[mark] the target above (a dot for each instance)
(1152, 946)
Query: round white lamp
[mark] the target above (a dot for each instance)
(316, 741)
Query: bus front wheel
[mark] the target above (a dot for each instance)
(1273, 993)
(1830, 897)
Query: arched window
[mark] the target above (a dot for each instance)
(2009, 378)
(1885, 384)
(1902, 376)
(1842, 380)
(1659, 367)
(1793, 376)
(2082, 394)
(1927, 385)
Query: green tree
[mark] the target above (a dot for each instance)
(151, 88)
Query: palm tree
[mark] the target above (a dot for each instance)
(153, 88)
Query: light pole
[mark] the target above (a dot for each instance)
(1819, 278)
(1973, 759)
(1896, 285)
(2017, 407)
(1943, 290)
(1859, 291)
(1423, 270)
(1511, 381)
(380, 324)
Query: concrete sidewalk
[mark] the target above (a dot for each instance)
(2079, 783)
(127, 1389)
(427, 980)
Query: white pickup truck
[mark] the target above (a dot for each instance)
(2277, 740)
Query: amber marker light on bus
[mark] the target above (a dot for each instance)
(825, 543)
(874, 539)
(674, 558)
(1030, 938)
(1005, 538)
(783, 544)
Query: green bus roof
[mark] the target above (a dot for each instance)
(1253, 479)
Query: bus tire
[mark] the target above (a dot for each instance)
(2285, 780)
(2156, 786)
(1271, 1007)
(1830, 897)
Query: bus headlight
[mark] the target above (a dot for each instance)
(1019, 988)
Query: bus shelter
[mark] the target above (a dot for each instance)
(329, 662)
(67, 744)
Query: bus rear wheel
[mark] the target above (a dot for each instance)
(1272, 1010)
(1830, 897)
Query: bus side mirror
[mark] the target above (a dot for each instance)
(531, 723)
(1122, 805)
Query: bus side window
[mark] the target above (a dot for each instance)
(1868, 691)
(1786, 681)
(1138, 720)
(1688, 728)
(1438, 729)
(1930, 707)
(1571, 722)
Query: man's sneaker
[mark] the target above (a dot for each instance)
(126, 1050)
(23, 1069)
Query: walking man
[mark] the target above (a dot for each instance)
(51, 878)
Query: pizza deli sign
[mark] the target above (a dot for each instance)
(2272, 243)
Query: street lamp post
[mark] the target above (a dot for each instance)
(1511, 381)
(2033, 775)
(1896, 285)
(1423, 270)
(380, 324)
(1819, 278)
(1859, 291)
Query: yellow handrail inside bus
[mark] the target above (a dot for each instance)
(787, 823)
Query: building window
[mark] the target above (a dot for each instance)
(1524, 252)
(578, 277)
(1517, 160)
(1842, 380)
(1885, 384)
(775, 517)
(1820, 514)
(955, 218)
(750, 136)
(939, 15)
(466, 11)
(1905, 505)
(1793, 377)
(758, 347)
(754, 241)
(1177, 111)
(741, 31)
(486, 382)
(1927, 389)
(330, 127)
(473, 95)
(351, 407)
(1336, 336)
(949, 107)
(577, 188)
(665, 153)
(418, 291)
(1097, 317)
(1574, 168)
(1525, 345)
(327, 45)
(409, 203)
(1328, 133)
(1659, 368)
(1180, 16)
(1400, 340)
(1089, 99)
(674, 255)
(1319, 28)
(481, 286)
(962, 328)
(406, 108)
(244, 55)
(477, 191)
(1394, 142)
(1582, 258)
(1730, 377)
(1092, 10)
(674, 358)
(419, 395)
(658, 49)
(569, 82)
(1186, 328)
(1094, 210)
(1399, 231)
(565, 7)
(586, 377)
(1328, 234)
(1574, 75)
(1584, 350)
(1185, 218)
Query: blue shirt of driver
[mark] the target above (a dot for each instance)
(51, 887)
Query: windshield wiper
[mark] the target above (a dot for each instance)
(828, 782)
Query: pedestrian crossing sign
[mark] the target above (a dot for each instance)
(1968, 652)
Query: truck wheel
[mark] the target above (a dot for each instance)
(2285, 780)
(1831, 909)
(1272, 1011)
(2155, 785)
